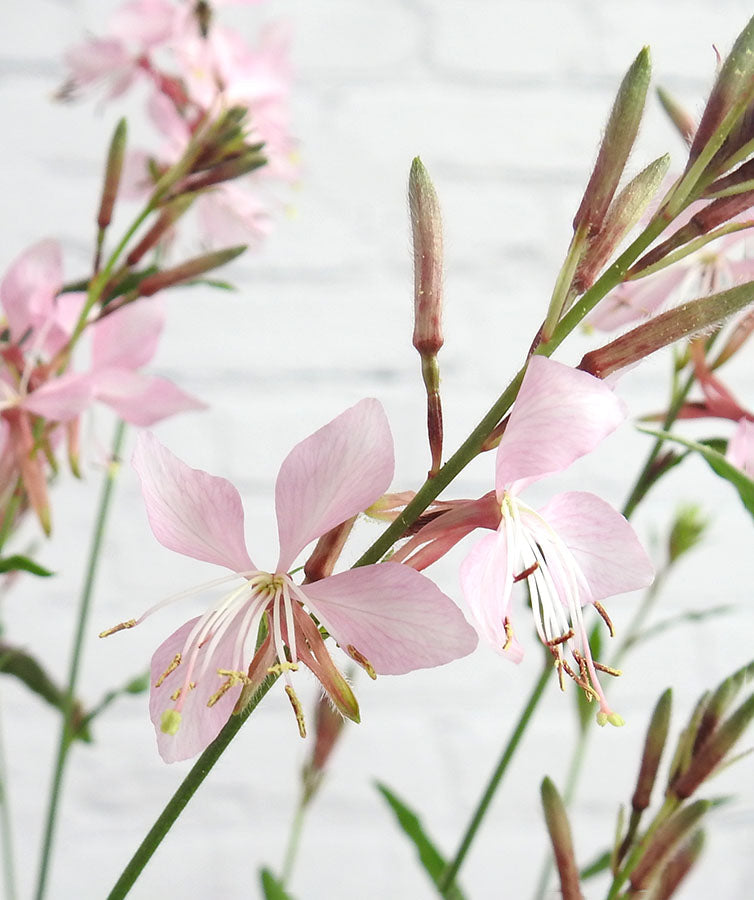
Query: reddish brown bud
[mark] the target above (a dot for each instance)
(620, 134)
(188, 270)
(678, 867)
(112, 175)
(225, 171)
(732, 93)
(713, 751)
(426, 230)
(664, 840)
(170, 213)
(562, 843)
(327, 552)
(653, 746)
(682, 322)
(625, 211)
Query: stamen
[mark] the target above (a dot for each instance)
(605, 617)
(553, 642)
(609, 669)
(508, 634)
(362, 661)
(122, 627)
(527, 572)
(297, 709)
(283, 666)
(171, 668)
(176, 695)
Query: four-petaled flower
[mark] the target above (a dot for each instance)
(387, 617)
(575, 550)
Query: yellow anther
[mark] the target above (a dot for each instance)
(361, 660)
(297, 709)
(508, 634)
(122, 627)
(176, 694)
(232, 678)
(281, 667)
(609, 669)
(171, 668)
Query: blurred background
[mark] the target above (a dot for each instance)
(505, 103)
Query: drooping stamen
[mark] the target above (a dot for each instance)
(605, 617)
(609, 669)
(508, 634)
(553, 642)
(232, 678)
(130, 623)
(171, 668)
(527, 572)
(178, 691)
(297, 709)
(280, 667)
(362, 661)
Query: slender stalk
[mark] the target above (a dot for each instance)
(449, 875)
(293, 841)
(66, 735)
(9, 870)
(185, 792)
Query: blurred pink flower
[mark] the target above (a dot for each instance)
(740, 450)
(575, 550)
(387, 617)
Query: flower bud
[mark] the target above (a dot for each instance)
(654, 744)
(682, 322)
(678, 867)
(731, 94)
(187, 270)
(664, 840)
(225, 171)
(682, 120)
(687, 531)
(171, 212)
(426, 230)
(562, 844)
(327, 552)
(620, 134)
(112, 175)
(624, 212)
(714, 750)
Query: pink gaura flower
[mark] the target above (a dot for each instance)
(575, 550)
(387, 617)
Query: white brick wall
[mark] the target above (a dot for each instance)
(505, 102)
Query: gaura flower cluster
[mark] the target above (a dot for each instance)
(39, 392)
(387, 617)
(576, 550)
(196, 69)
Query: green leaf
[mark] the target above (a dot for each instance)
(600, 864)
(22, 665)
(429, 856)
(717, 462)
(18, 563)
(690, 617)
(273, 889)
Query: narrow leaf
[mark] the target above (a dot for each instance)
(18, 563)
(273, 889)
(431, 859)
(718, 463)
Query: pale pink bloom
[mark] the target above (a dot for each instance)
(575, 550)
(387, 617)
(740, 452)
(122, 343)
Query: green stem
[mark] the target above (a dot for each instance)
(9, 872)
(293, 842)
(185, 792)
(449, 875)
(66, 735)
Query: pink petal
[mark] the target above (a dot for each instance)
(28, 290)
(190, 511)
(487, 584)
(200, 724)
(602, 542)
(393, 616)
(332, 475)
(128, 338)
(740, 451)
(560, 415)
(635, 300)
(61, 398)
(141, 399)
